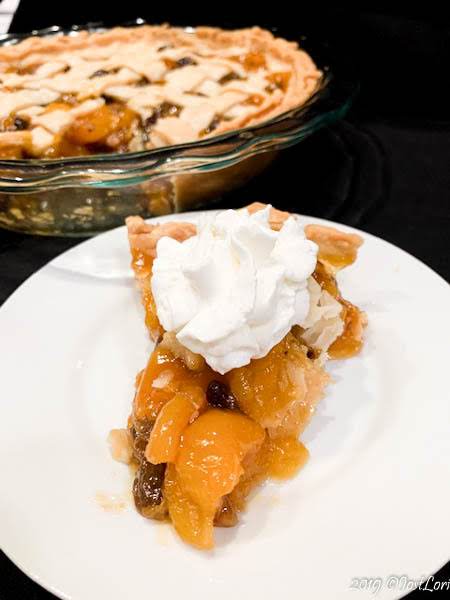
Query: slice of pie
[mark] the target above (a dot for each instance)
(245, 311)
(133, 89)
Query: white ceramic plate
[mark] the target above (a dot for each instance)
(371, 503)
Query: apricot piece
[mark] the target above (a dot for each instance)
(279, 80)
(255, 473)
(278, 458)
(92, 127)
(269, 388)
(110, 124)
(207, 468)
(252, 61)
(163, 376)
(161, 370)
(285, 456)
(11, 152)
(64, 147)
(210, 455)
(57, 106)
(254, 100)
(170, 423)
(192, 525)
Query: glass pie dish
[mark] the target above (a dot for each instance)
(83, 195)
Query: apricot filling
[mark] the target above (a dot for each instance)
(172, 420)
(278, 81)
(208, 467)
(108, 128)
(214, 438)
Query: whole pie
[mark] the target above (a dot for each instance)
(208, 426)
(132, 89)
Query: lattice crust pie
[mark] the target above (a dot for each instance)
(132, 89)
(200, 441)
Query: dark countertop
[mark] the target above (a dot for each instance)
(385, 169)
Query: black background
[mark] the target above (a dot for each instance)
(385, 169)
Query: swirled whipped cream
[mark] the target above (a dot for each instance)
(234, 290)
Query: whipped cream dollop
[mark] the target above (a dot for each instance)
(234, 290)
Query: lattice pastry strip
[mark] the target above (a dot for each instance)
(137, 88)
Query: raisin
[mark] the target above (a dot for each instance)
(226, 516)
(20, 124)
(151, 120)
(218, 394)
(232, 76)
(140, 432)
(213, 125)
(147, 487)
(148, 483)
(177, 64)
(201, 94)
(103, 72)
(165, 109)
(99, 73)
(185, 61)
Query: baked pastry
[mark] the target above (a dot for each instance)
(131, 89)
(231, 384)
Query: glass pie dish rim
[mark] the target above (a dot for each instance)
(329, 102)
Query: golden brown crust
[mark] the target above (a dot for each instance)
(276, 217)
(303, 80)
(260, 39)
(144, 237)
(331, 241)
(334, 243)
